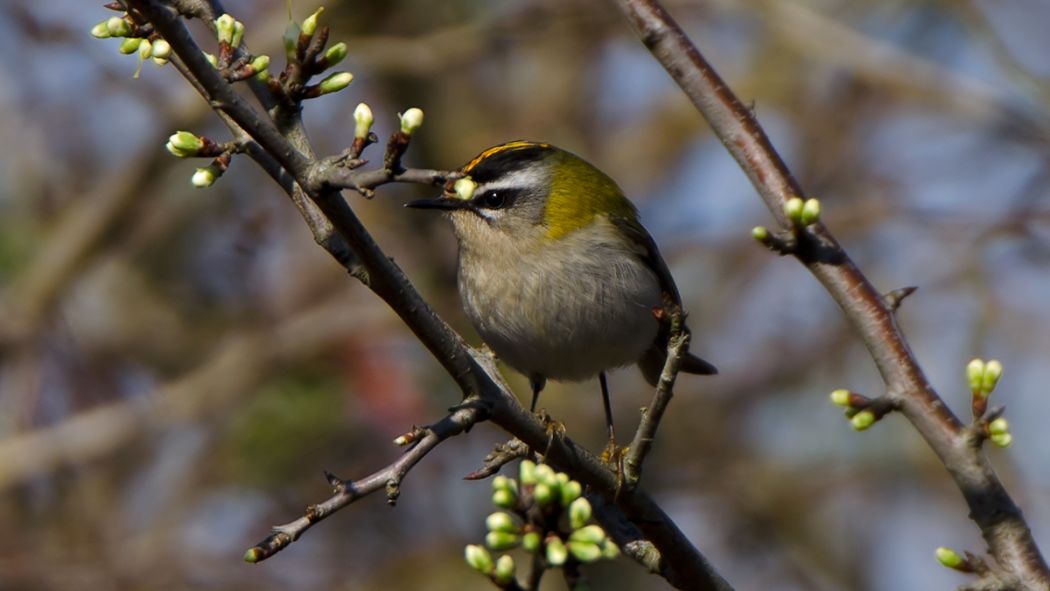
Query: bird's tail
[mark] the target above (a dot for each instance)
(652, 364)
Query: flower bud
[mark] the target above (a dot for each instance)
(609, 549)
(214, 61)
(570, 491)
(810, 212)
(1002, 439)
(579, 513)
(224, 28)
(862, 420)
(527, 468)
(501, 522)
(998, 426)
(556, 552)
(543, 494)
(205, 177)
(291, 39)
(336, 82)
(840, 397)
(591, 534)
(335, 54)
(238, 34)
(101, 30)
(145, 49)
(130, 45)
(760, 233)
(118, 27)
(975, 375)
(161, 52)
(504, 570)
(184, 144)
(362, 121)
(793, 210)
(478, 558)
(411, 120)
(501, 540)
(310, 22)
(531, 541)
(585, 552)
(464, 189)
(949, 558)
(260, 65)
(993, 370)
(545, 475)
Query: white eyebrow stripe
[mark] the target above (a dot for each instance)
(519, 179)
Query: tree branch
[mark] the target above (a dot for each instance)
(1010, 542)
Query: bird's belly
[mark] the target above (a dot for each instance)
(565, 319)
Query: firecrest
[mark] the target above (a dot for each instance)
(555, 271)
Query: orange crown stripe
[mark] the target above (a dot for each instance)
(518, 145)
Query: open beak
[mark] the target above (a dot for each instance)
(446, 203)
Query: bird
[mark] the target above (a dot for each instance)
(555, 270)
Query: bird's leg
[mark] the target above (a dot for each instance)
(537, 383)
(611, 454)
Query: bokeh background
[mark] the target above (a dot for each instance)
(178, 366)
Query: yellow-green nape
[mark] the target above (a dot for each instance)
(463, 189)
(579, 192)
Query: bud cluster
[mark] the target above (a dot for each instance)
(547, 516)
(859, 409)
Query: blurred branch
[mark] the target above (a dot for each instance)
(283, 139)
(1010, 542)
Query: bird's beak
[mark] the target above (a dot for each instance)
(443, 202)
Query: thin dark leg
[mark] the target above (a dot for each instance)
(608, 407)
(537, 383)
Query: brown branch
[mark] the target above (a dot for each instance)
(1010, 542)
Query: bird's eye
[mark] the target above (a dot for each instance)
(494, 199)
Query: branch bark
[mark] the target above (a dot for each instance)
(1019, 563)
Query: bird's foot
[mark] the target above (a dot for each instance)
(613, 456)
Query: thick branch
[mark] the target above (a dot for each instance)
(1009, 540)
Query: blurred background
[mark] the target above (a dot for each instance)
(178, 366)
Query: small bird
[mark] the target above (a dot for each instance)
(556, 273)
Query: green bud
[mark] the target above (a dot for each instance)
(335, 54)
(793, 210)
(975, 375)
(1002, 439)
(585, 552)
(411, 120)
(948, 557)
(464, 189)
(238, 34)
(260, 64)
(556, 552)
(224, 28)
(504, 499)
(501, 540)
(527, 469)
(501, 482)
(531, 541)
(609, 549)
(118, 27)
(543, 494)
(862, 420)
(363, 124)
(214, 61)
(252, 555)
(993, 370)
(999, 426)
(545, 475)
(336, 82)
(145, 49)
(184, 144)
(101, 31)
(840, 397)
(205, 177)
(570, 491)
(500, 521)
(579, 513)
(161, 52)
(478, 558)
(310, 22)
(291, 39)
(591, 534)
(504, 570)
(130, 45)
(760, 233)
(810, 212)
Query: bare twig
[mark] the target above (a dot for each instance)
(1019, 561)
